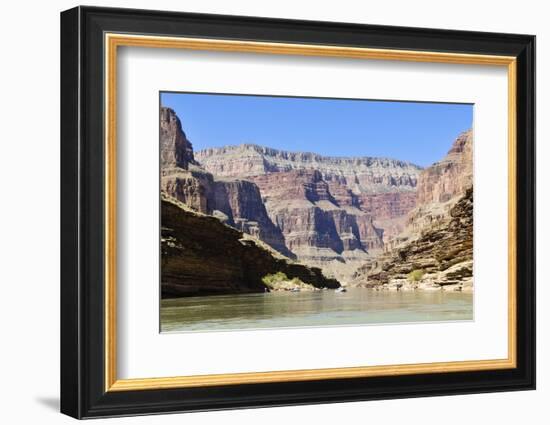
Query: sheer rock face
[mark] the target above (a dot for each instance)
(192, 187)
(202, 256)
(449, 177)
(389, 210)
(236, 202)
(175, 149)
(438, 234)
(315, 226)
(327, 209)
(387, 205)
(240, 201)
(444, 252)
(440, 185)
(358, 175)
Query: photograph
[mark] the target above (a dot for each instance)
(290, 212)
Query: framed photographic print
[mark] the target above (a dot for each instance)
(261, 212)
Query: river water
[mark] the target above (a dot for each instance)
(321, 308)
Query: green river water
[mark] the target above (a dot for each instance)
(322, 308)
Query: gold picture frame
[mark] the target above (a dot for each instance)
(114, 41)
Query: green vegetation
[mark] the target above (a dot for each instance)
(281, 282)
(415, 275)
(270, 280)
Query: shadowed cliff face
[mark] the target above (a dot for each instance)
(239, 204)
(202, 256)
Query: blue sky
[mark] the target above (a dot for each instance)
(421, 133)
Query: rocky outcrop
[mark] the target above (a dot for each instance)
(193, 187)
(442, 255)
(239, 204)
(441, 185)
(203, 256)
(175, 149)
(436, 240)
(236, 202)
(449, 177)
(438, 189)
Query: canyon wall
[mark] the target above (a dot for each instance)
(347, 216)
(442, 255)
(437, 239)
(202, 256)
(451, 176)
(236, 202)
(440, 185)
(175, 149)
(333, 212)
(356, 174)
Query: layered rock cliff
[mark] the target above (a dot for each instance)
(437, 240)
(449, 177)
(441, 184)
(316, 228)
(175, 149)
(335, 213)
(202, 256)
(239, 204)
(356, 174)
(234, 201)
(328, 209)
(441, 257)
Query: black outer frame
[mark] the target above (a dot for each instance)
(82, 212)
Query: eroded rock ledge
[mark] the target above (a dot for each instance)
(203, 256)
(441, 254)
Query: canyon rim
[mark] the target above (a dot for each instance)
(255, 234)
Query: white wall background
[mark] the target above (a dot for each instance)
(29, 213)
